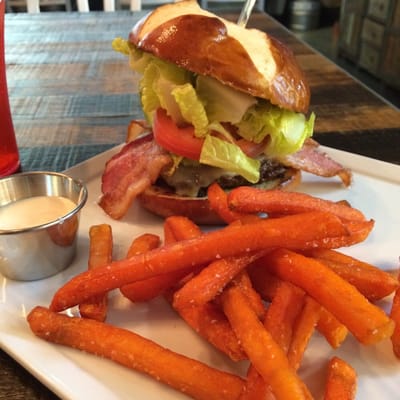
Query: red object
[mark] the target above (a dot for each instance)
(183, 142)
(180, 141)
(9, 156)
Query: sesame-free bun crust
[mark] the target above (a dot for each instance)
(165, 204)
(246, 59)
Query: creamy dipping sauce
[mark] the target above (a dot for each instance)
(34, 211)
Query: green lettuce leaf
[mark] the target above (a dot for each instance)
(148, 96)
(159, 80)
(191, 108)
(287, 130)
(121, 46)
(205, 103)
(293, 130)
(219, 153)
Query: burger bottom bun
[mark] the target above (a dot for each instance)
(164, 203)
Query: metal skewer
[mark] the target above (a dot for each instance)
(245, 13)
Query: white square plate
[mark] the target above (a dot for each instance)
(73, 375)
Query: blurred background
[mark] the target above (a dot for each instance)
(361, 36)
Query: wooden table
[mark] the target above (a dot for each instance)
(69, 88)
(72, 96)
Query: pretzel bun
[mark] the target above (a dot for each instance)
(248, 60)
(164, 203)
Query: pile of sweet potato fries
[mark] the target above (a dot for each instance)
(256, 289)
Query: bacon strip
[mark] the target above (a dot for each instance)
(310, 159)
(129, 173)
(137, 166)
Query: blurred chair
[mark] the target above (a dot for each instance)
(276, 7)
(83, 5)
(33, 6)
(112, 5)
(135, 5)
(260, 4)
(65, 3)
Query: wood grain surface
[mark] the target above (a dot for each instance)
(69, 89)
(68, 86)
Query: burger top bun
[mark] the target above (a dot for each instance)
(246, 59)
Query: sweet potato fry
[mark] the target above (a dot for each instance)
(255, 387)
(344, 203)
(210, 323)
(264, 353)
(248, 199)
(341, 381)
(367, 322)
(168, 234)
(206, 319)
(180, 228)
(143, 243)
(296, 232)
(148, 289)
(333, 330)
(268, 285)
(100, 254)
(282, 313)
(371, 281)
(395, 315)
(302, 331)
(211, 280)
(357, 231)
(243, 281)
(218, 200)
(263, 281)
(133, 351)
(291, 319)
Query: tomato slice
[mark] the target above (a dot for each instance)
(180, 141)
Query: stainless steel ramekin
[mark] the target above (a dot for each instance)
(38, 252)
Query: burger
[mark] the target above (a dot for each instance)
(222, 103)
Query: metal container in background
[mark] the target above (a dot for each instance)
(304, 15)
(36, 252)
